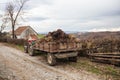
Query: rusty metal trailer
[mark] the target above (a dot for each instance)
(56, 50)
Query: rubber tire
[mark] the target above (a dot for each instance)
(31, 51)
(51, 59)
(26, 49)
(73, 59)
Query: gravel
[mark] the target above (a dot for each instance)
(16, 65)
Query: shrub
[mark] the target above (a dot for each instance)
(3, 39)
(16, 41)
(13, 41)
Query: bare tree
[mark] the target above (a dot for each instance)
(13, 11)
(3, 25)
(4, 22)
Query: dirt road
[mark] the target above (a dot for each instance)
(16, 65)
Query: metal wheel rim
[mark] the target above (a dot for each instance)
(30, 50)
(49, 59)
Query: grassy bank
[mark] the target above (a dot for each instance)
(109, 72)
(19, 47)
(40, 36)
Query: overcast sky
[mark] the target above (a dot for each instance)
(71, 15)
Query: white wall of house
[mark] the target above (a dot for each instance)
(26, 33)
(18, 37)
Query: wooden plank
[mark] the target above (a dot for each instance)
(105, 53)
(58, 47)
(117, 60)
(106, 56)
(108, 61)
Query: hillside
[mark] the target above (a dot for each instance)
(98, 35)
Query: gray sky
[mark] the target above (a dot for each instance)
(71, 15)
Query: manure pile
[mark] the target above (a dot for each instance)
(58, 36)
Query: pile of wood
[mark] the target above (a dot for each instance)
(109, 58)
(58, 36)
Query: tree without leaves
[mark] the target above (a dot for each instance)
(4, 23)
(13, 11)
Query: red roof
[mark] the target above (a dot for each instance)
(33, 36)
(19, 30)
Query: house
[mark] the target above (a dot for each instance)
(25, 32)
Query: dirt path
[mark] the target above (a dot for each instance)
(16, 65)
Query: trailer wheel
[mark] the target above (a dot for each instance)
(31, 51)
(73, 59)
(51, 59)
(25, 49)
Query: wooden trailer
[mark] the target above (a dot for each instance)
(55, 50)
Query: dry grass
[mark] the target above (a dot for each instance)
(19, 47)
(107, 71)
(40, 36)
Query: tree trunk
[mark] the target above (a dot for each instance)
(13, 32)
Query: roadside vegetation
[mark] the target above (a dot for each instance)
(101, 42)
(109, 72)
(40, 36)
(19, 47)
